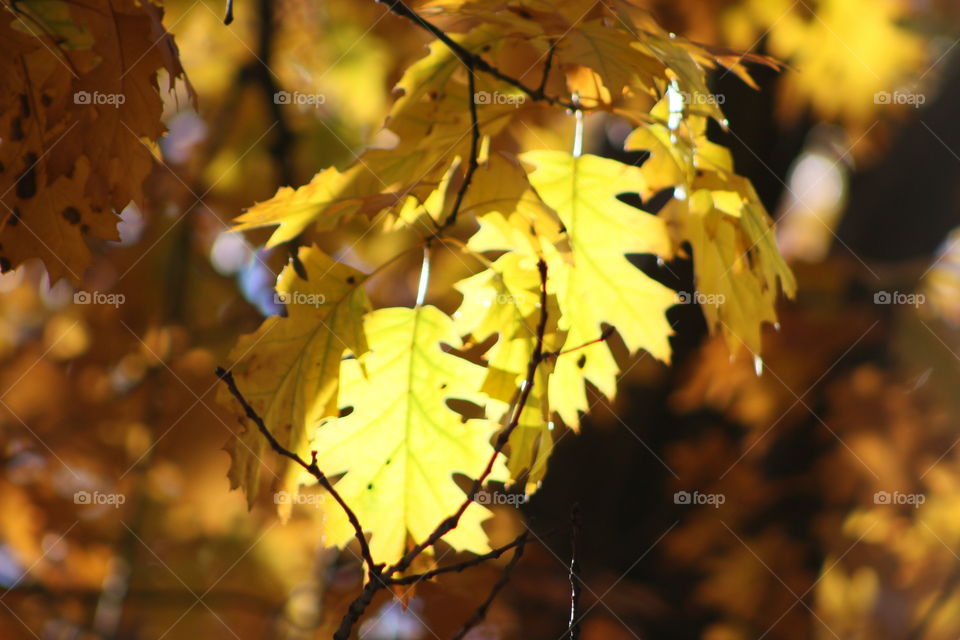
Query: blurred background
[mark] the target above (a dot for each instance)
(838, 465)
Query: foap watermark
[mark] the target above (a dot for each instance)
(500, 298)
(896, 297)
(913, 499)
(712, 499)
(300, 297)
(98, 498)
(99, 297)
(296, 97)
(285, 497)
(702, 299)
(486, 97)
(96, 97)
(900, 98)
(696, 99)
(499, 497)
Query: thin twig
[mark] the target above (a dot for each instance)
(573, 626)
(604, 336)
(460, 566)
(472, 163)
(311, 468)
(481, 611)
(546, 67)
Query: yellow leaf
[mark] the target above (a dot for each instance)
(601, 286)
(288, 369)
(53, 225)
(611, 53)
(402, 444)
(678, 146)
(737, 266)
(53, 17)
(846, 52)
(429, 125)
(329, 198)
(511, 216)
(131, 46)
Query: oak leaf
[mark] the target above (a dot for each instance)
(401, 445)
(600, 286)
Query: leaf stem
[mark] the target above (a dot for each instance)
(604, 336)
(578, 132)
(424, 276)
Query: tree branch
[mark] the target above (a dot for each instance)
(546, 67)
(311, 468)
(481, 611)
(460, 566)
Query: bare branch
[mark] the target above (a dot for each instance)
(481, 611)
(311, 468)
(460, 566)
(546, 67)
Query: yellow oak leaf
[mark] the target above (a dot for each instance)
(612, 53)
(289, 369)
(678, 146)
(52, 17)
(53, 224)
(327, 200)
(849, 51)
(738, 270)
(600, 286)
(402, 444)
(737, 266)
(121, 105)
(512, 217)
